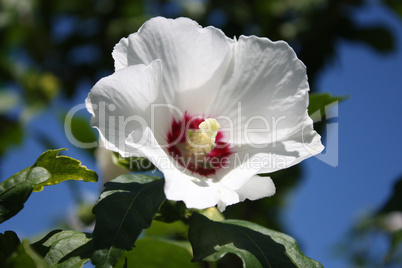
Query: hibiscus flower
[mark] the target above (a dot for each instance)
(210, 112)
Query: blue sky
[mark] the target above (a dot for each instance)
(330, 199)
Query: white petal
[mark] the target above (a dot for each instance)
(237, 172)
(269, 159)
(247, 160)
(284, 154)
(121, 103)
(227, 198)
(194, 59)
(256, 188)
(266, 100)
(120, 54)
(297, 144)
(303, 140)
(197, 193)
(268, 84)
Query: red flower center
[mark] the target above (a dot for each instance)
(204, 159)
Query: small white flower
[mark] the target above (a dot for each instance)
(209, 111)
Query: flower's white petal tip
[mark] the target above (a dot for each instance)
(221, 206)
(315, 146)
(256, 188)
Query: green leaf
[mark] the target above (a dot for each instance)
(32, 175)
(171, 211)
(158, 252)
(163, 229)
(291, 246)
(207, 237)
(48, 169)
(77, 258)
(126, 207)
(25, 256)
(62, 168)
(135, 164)
(16, 190)
(270, 248)
(107, 257)
(59, 248)
(248, 259)
(9, 242)
(319, 102)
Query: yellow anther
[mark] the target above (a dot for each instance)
(209, 124)
(210, 127)
(202, 140)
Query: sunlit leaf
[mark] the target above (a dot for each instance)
(271, 249)
(48, 169)
(135, 164)
(59, 248)
(77, 258)
(126, 207)
(248, 259)
(158, 252)
(9, 242)
(62, 168)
